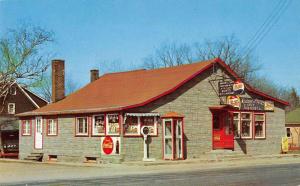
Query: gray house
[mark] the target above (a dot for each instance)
(185, 112)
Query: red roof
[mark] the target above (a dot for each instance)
(123, 90)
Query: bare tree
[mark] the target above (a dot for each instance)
(22, 57)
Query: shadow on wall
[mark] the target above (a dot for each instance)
(242, 145)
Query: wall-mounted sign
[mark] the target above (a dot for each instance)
(284, 144)
(107, 145)
(256, 104)
(227, 88)
(234, 101)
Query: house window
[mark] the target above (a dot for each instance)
(288, 132)
(98, 125)
(246, 125)
(113, 126)
(13, 90)
(150, 122)
(132, 125)
(52, 127)
(26, 128)
(11, 108)
(81, 126)
(259, 125)
(236, 124)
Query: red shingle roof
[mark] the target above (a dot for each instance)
(123, 90)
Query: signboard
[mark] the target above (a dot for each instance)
(284, 144)
(234, 101)
(227, 88)
(107, 145)
(256, 104)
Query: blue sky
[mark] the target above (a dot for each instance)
(91, 32)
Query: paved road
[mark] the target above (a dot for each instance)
(285, 174)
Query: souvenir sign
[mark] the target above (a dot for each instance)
(107, 145)
(234, 101)
(256, 104)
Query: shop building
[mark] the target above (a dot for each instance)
(188, 111)
(292, 126)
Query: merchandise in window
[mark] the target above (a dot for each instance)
(99, 125)
(113, 126)
(81, 126)
(52, 127)
(259, 122)
(246, 125)
(132, 126)
(150, 122)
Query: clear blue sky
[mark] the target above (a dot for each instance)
(89, 32)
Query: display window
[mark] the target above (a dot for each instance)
(259, 125)
(98, 125)
(112, 124)
(132, 125)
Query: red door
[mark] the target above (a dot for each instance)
(223, 137)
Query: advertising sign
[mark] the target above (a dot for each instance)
(234, 101)
(227, 88)
(284, 144)
(256, 104)
(107, 145)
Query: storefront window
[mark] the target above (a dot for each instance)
(98, 125)
(236, 124)
(150, 122)
(113, 127)
(246, 128)
(81, 126)
(132, 125)
(259, 122)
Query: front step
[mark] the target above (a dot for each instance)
(34, 156)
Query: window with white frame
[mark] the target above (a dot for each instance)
(132, 125)
(26, 128)
(236, 124)
(99, 125)
(246, 125)
(11, 108)
(112, 124)
(52, 127)
(81, 126)
(150, 122)
(259, 125)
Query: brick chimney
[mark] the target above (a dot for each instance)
(58, 80)
(94, 75)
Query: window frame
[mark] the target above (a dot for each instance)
(107, 125)
(14, 108)
(77, 126)
(25, 129)
(239, 124)
(155, 121)
(251, 125)
(138, 127)
(48, 127)
(264, 125)
(93, 125)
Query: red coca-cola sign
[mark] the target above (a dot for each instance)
(107, 145)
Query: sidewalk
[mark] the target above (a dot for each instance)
(18, 171)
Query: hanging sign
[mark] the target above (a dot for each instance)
(227, 88)
(107, 145)
(234, 101)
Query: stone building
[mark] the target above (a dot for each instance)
(186, 111)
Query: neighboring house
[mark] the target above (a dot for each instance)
(292, 125)
(18, 100)
(189, 111)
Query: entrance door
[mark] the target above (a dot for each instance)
(173, 139)
(223, 137)
(38, 135)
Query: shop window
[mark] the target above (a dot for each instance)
(99, 125)
(288, 132)
(11, 108)
(236, 124)
(151, 123)
(259, 125)
(246, 125)
(132, 125)
(81, 126)
(26, 128)
(52, 127)
(113, 126)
